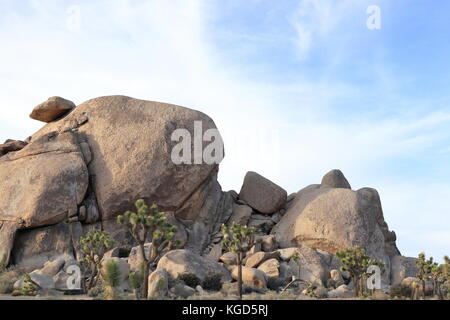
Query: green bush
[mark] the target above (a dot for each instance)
(212, 281)
(112, 279)
(190, 279)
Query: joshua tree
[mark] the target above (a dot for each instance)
(111, 278)
(94, 246)
(238, 239)
(440, 274)
(355, 261)
(148, 224)
(424, 272)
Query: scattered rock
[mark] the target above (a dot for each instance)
(229, 258)
(241, 214)
(261, 194)
(336, 276)
(341, 292)
(257, 258)
(270, 268)
(181, 261)
(215, 253)
(269, 243)
(11, 146)
(251, 277)
(183, 291)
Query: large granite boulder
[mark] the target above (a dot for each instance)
(262, 194)
(181, 261)
(131, 146)
(332, 219)
(42, 184)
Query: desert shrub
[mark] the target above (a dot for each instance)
(112, 278)
(212, 281)
(401, 291)
(96, 291)
(8, 278)
(276, 283)
(29, 288)
(190, 279)
(135, 281)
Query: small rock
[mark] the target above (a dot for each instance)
(251, 277)
(229, 258)
(341, 292)
(183, 291)
(269, 243)
(256, 259)
(270, 268)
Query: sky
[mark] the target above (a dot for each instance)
(296, 87)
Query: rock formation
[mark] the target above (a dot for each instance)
(91, 162)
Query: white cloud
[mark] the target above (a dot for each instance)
(160, 50)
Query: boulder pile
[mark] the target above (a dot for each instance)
(91, 162)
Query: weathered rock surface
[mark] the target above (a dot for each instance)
(158, 284)
(42, 184)
(310, 265)
(11, 146)
(241, 214)
(270, 268)
(401, 268)
(257, 258)
(181, 261)
(33, 248)
(262, 194)
(120, 179)
(332, 219)
(335, 179)
(52, 109)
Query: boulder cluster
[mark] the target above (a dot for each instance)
(91, 162)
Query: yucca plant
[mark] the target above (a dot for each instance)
(94, 246)
(238, 239)
(112, 279)
(149, 224)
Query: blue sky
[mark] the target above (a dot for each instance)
(296, 87)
